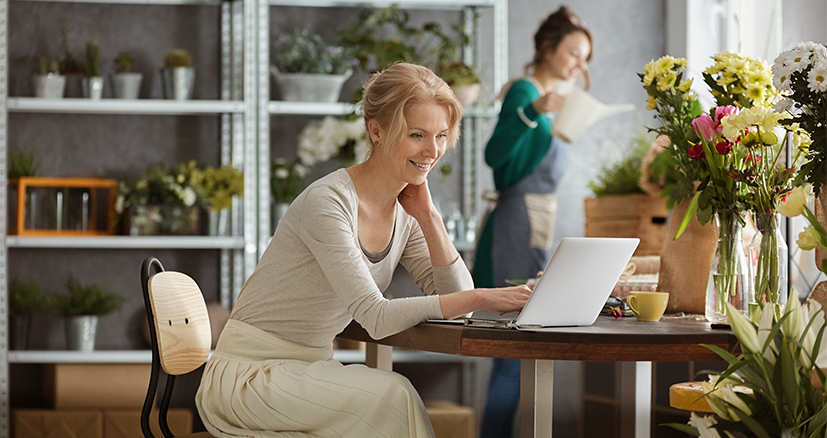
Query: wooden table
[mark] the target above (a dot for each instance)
(635, 344)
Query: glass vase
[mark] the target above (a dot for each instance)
(729, 273)
(162, 219)
(768, 265)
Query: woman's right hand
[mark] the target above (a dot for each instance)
(548, 103)
(506, 299)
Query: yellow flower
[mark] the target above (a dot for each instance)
(794, 203)
(666, 81)
(651, 102)
(759, 77)
(685, 86)
(755, 93)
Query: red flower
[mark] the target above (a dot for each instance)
(752, 159)
(696, 152)
(723, 147)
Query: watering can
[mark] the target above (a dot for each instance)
(579, 111)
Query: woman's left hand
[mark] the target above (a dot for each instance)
(416, 200)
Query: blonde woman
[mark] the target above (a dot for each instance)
(330, 260)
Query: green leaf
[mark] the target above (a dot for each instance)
(690, 213)
(685, 428)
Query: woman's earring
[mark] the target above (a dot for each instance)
(376, 143)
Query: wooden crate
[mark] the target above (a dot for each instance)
(636, 215)
(97, 191)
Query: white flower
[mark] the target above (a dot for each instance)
(189, 197)
(321, 139)
(119, 204)
(798, 59)
(764, 327)
(817, 79)
(794, 203)
(282, 173)
(813, 311)
(300, 171)
(782, 105)
(704, 426)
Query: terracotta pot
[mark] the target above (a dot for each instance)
(685, 262)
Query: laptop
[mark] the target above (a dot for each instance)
(574, 286)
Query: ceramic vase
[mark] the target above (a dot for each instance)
(300, 87)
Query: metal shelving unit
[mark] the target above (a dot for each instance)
(236, 110)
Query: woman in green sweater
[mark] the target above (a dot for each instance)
(528, 164)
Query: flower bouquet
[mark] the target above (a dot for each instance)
(783, 362)
(330, 137)
(675, 107)
(306, 53)
(218, 186)
(801, 77)
(162, 201)
(814, 236)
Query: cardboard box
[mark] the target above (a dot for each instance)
(451, 420)
(126, 423)
(73, 386)
(635, 215)
(47, 423)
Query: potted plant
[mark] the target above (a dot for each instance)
(25, 300)
(218, 188)
(308, 69)
(126, 83)
(81, 306)
(92, 79)
(49, 83)
(464, 80)
(285, 185)
(178, 75)
(70, 67)
(161, 201)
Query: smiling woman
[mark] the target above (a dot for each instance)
(331, 258)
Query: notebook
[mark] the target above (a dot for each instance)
(574, 286)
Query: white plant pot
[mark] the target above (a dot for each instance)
(92, 87)
(49, 86)
(126, 85)
(299, 87)
(80, 332)
(178, 82)
(467, 94)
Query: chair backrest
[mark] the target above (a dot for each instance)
(179, 328)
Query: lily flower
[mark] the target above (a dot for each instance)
(744, 329)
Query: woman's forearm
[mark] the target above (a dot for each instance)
(440, 247)
(503, 299)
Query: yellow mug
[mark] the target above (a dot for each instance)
(647, 306)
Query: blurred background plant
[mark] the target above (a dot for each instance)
(286, 179)
(219, 186)
(26, 298)
(623, 176)
(305, 52)
(23, 164)
(82, 299)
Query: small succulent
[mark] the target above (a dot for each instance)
(49, 66)
(123, 62)
(178, 58)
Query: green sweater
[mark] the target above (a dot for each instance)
(513, 152)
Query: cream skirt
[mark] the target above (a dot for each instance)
(258, 385)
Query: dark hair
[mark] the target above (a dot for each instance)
(389, 93)
(558, 25)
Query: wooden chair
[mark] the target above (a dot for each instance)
(179, 328)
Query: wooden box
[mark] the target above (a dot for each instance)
(126, 423)
(95, 385)
(62, 206)
(451, 420)
(636, 215)
(46, 423)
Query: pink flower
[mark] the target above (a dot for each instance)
(705, 127)
(697, 152)
(723, 147)
(721, 112)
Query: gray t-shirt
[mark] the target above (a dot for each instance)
(314, 278)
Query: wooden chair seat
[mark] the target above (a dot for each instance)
(689, 396)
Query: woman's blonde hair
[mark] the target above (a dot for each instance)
(389, 93)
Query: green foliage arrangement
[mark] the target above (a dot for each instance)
(459, 74)
(286, 179)
(26, 298)
(23, 164)
(87, 299)
(92, 66)
(623, 177)
(383, 36)
(177, 185)
(218, 186)
(304, 52)
(123, 62)
(178, 58)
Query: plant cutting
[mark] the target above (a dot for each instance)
(178, 75)
(308, 69)
(127, 84)
(800, 74)
(92, 80)
(783, 361)
(330, 137)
